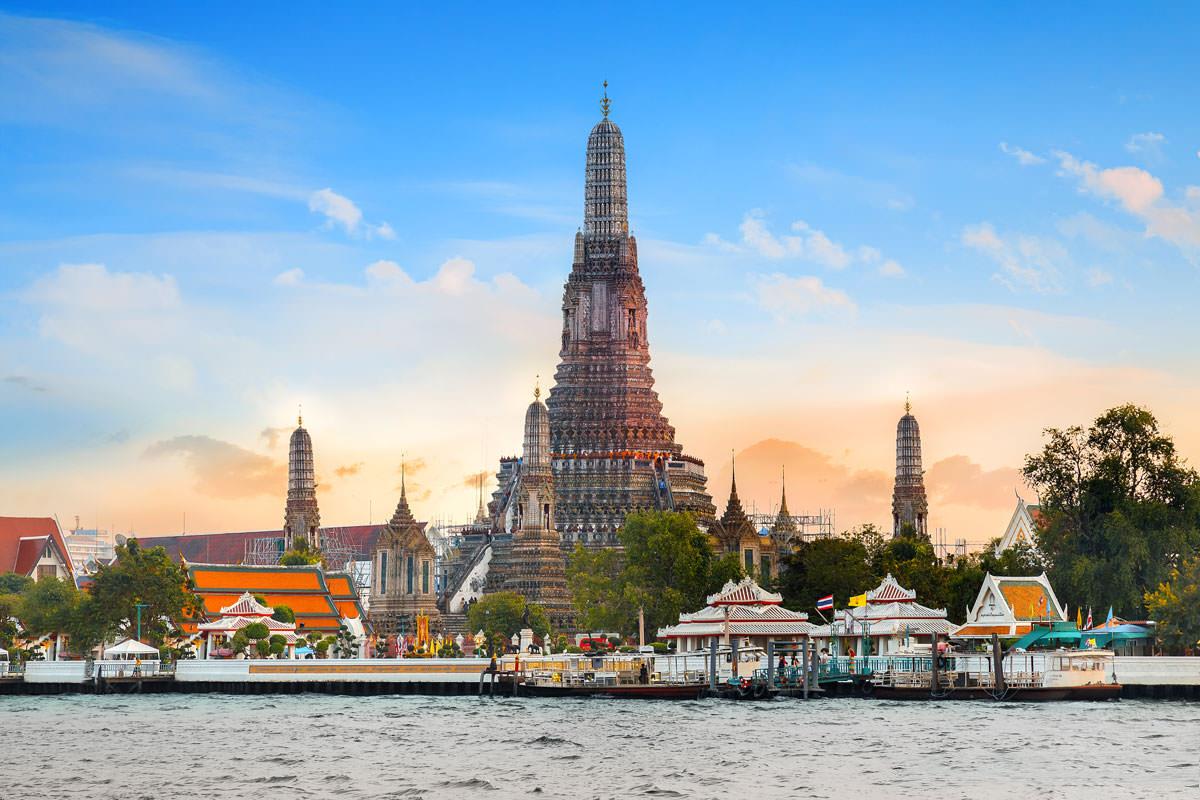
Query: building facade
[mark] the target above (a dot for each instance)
(910, 507)
(301, 517)
(35, 547)
(402, 574)
(612, 450)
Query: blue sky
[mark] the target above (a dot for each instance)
(214, 213)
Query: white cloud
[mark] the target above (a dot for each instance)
(336, 208)
(1028, 262)
(291, 277)
(786, 296)
(891, 269)
(1140, 194)
(1098, 277)
(717, 327)
(384, 231)
(1023, 156)
(387, 272)
(805, 243)
(1149, 143)
(91, 287)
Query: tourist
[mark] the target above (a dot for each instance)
(644, 674)
(783, 664)
(824, 656)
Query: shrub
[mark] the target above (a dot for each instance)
(256, 631)
(660, 647)
(627, 648)
(574, 648)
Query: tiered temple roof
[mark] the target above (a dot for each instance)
(306, 590)
(892, 610)
(742, 609)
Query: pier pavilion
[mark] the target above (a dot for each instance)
(1009, 606)
(890, 620)
(742, 611)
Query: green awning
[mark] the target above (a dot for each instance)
(1046, 638)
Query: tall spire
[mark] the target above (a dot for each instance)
(301, 517)
(783, 509)
(403, 514)
(605, 103)
(606, 206)
(910, 506)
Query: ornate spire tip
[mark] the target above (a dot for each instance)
(605, 103)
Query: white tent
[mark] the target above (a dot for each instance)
(131, 649)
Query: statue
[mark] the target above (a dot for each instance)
(525, 617)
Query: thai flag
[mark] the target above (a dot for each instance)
(825, 603)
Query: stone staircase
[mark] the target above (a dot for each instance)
(454, 624)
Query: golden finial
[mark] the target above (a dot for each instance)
(605, 103)
(300, 415)
(907, 404)
(537, 386)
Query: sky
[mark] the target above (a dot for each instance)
(215, 214)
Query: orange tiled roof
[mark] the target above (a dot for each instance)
(319, 602)
(1028, 600)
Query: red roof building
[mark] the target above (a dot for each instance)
(34, 547)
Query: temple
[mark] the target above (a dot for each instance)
(910, 508)
(323, 602)
(1010, 606)
(612, 450)
(402, 565)
(1022, 527)
(301, 518)
(536, 567)
(735, 533)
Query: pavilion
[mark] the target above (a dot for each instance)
(246, 611)
(1009, 607)
(890, 620)
(742, 611)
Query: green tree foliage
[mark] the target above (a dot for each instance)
(283, 614)
(302, 553)
(1175, 606)
(668, 566)
(256, 631)
(12, 583)
(147, 576)
(501, 613)
(54, 606)
(840, 566)
(1120, 510)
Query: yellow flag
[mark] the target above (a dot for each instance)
(858, 600)
(1079, 618)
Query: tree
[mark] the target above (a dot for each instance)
(815, 568)
(148, 577)
(46, 606)
(301, 554)
(283, 614)
(1120, 510)
(667, 566)
(502, 613)
(1175, 606)
(12, 583)
(594, 578)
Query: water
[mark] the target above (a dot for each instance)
(207, 746)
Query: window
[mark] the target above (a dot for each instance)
(748, 556)
(410, 568)
(46, 571)
(424, 577)
(383, 571)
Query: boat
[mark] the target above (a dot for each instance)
(617, 676)
(1024, 676)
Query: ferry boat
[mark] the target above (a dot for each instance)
(1024, 676)
(640, 675)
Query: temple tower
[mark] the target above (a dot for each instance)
(910, 508)
(612, 450)
(301, 518)
(537, 568)
(734, 533)
(402, 573)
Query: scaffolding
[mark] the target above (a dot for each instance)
(821, 525)
(341, 555)
(263, 552)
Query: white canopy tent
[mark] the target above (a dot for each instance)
(131, 650)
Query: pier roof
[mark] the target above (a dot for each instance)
(1009, 605)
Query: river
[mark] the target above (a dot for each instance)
(207, 746)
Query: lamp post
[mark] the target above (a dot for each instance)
(139, 607)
